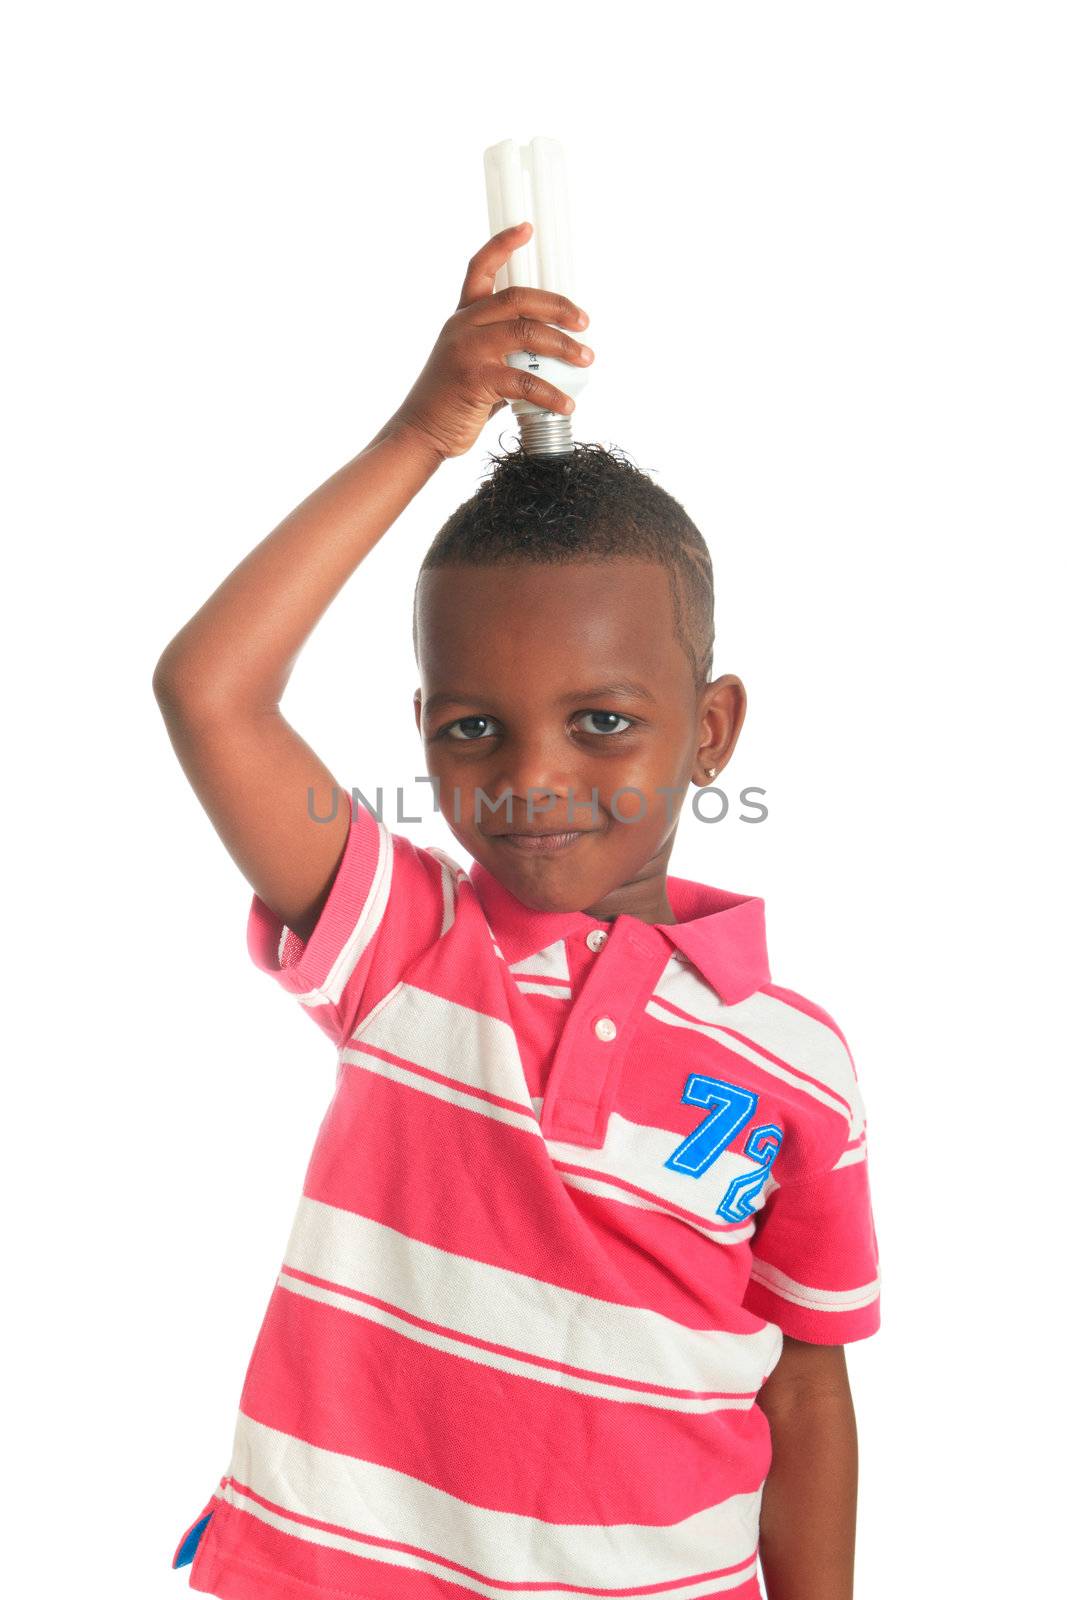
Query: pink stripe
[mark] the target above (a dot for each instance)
(611, 1181)
(703, 1290)
(320, 1374)
(379, 1117)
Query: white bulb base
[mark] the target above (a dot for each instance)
(545, 433)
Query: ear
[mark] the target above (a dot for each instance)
(720, 716)
(417, 701)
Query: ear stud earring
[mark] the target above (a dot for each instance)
(709, 772)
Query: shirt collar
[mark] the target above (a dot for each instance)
(721, 933)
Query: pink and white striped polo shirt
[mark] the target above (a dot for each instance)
(575, 1179)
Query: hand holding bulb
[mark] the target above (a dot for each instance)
(467, 377)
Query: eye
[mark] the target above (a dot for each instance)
(611, 716)
(468, 735)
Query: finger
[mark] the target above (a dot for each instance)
(519, 300)
(512, 383)
(525, 333)
(485, 263)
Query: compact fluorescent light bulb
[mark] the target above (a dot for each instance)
(528, 183)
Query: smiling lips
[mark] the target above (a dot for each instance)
(539, 843)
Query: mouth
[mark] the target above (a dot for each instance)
(540, 843)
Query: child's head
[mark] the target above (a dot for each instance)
(563, 627)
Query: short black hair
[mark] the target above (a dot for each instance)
(591, 504)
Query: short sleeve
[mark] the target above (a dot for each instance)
(815, 1268)
(386, 906)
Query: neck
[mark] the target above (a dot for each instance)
(645, 898)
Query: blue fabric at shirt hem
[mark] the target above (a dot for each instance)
(191, 1540)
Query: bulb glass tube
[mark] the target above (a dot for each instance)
(528, 183)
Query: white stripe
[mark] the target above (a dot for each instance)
(516, 1365)
(551, 962)
(616, 1344)
(852, 1108)
(363, 931)
(448, 899)
(455, 870)
(554, 991)
(685, 987)
(452, 875)
(636, 1154)
(850, 1156)
(847, 1158)
(519, 1552)
(736, 1234)
(608, 1191)
(805, 1294)
(456, 1041)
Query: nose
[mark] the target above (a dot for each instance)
(539, 775)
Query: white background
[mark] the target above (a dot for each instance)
(822, 249)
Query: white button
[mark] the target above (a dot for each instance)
(597, 939)
(604, 1028)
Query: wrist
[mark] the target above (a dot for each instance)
(413, 440)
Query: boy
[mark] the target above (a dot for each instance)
(590, 1185)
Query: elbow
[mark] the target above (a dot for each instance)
(171, 682)
(180, 690)
(164, 683)
(192, 693)
(806, 1376)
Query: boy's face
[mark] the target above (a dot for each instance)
(550, 683)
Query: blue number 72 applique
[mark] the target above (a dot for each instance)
(733, 1108)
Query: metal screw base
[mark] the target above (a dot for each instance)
(545, 433)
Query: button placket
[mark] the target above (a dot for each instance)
(588, 1059)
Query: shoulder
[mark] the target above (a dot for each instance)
(421, 885)
(808, 1041)
(807, 1017)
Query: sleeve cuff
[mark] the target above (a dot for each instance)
(817, 1316)
(318, 972)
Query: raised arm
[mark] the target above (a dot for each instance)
(220, 680)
